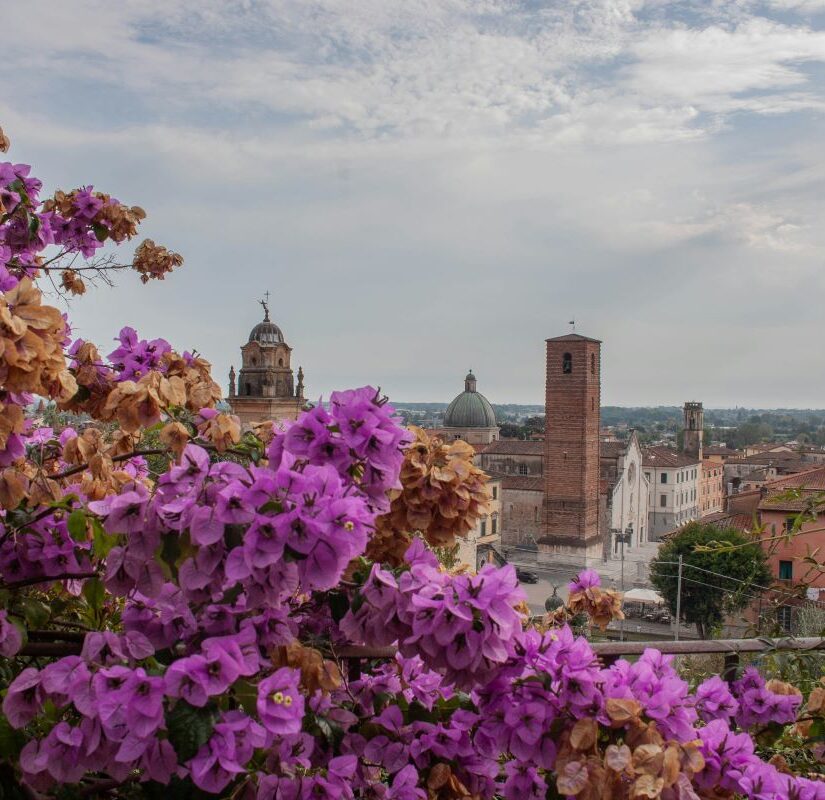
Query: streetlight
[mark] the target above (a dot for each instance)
(623, 538)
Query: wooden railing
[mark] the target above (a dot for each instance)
(608, 652)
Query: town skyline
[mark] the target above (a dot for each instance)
(459, 181)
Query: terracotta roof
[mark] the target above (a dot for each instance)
(572, 337)
(665, 457)
(612, 449)
(727, 519)
(716, 450)
(811, 479)
(515, 447)
(522, 483)
(807, 484)
(764, 458)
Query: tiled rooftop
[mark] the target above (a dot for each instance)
(665, 457)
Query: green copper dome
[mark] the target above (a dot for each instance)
(470, 409)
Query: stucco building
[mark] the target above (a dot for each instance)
(477, 547)
(673, 481)
(711, 488)
(774, 509)
(266, 388)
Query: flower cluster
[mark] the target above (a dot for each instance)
(82, 220)
(461, 625)
(358, 435)
(762, 703)
(134, 357)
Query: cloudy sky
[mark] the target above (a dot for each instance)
(430, 185)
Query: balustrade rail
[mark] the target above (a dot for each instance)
(608, 652)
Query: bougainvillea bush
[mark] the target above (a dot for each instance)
(187, 630)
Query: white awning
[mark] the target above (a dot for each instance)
(644, 596)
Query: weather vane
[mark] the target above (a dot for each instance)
(572, 324)
(265, 304)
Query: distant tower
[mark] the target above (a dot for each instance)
(265, 387)
(571, 451)
(694, 430)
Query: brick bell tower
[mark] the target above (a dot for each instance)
(571, 531)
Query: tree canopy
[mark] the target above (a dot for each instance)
(714, 583)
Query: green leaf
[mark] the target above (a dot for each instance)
(102, 542)
(77, 525)
(94, 593)
(35, 612)
(419, 713)
(338, 605)
(11, 741)
(101, 231)
(330, 730)
(189, 728)
(67, 501)
(246, 694)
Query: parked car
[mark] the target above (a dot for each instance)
(525, 576)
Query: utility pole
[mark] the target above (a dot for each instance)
(623, 537)
(678, 599)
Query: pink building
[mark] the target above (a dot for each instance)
(775, 507)
(711, 488)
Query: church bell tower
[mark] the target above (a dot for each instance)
(571, 529)
(265, 387)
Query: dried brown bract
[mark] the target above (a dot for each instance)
(154, 261)
(72, 282)
(601, 605)
(443, 494)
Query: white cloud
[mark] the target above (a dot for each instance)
(465, 165)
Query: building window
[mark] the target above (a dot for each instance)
(592, 363)
(280, 362)
(495, 493)
(567, 363)
(647, 475)
(249, 388)
(535, 514)
(786, 570)
(662, 500)
(784, 616)
(495, 525)
(522, 469)
(789, 523)
(511, 509)
(484, 527)
(663, 477)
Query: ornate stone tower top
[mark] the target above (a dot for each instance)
(265, 386)
(694, 430)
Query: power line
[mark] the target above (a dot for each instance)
(711, 586)
(780, 592)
